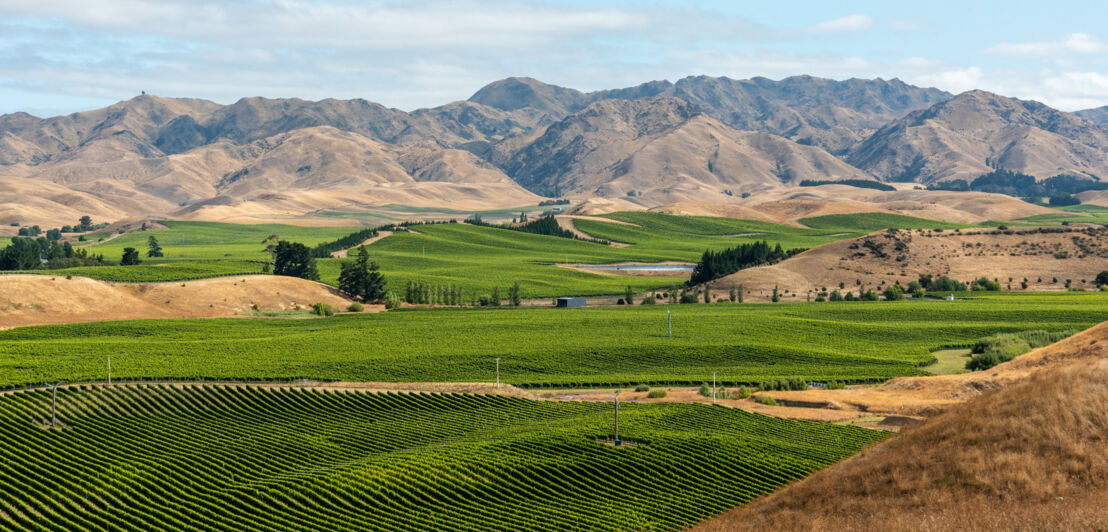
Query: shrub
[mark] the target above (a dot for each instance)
(836, 295)
(656, 394)
(323, 309)
(764, 400)
(647, 301)
(355, 307)
(835, 385)
(1000, 348)
(393, 301)
(642, 388)
(744, 392)
(894, 293)
(705, 390)
(984, 284)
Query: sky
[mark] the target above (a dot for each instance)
(63, 56)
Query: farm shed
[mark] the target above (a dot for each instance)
(571, 302)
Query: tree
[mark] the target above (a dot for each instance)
(130, 257)
(513, 294)
(776, 297)
(707, 294)
(629, 296)
(740, 293)
(155, 248)
(495, 299)
(361, 279)
(1102, 278)
(294, 259)
(86, 223)
(894, 293)
(731, 294)
(836, 295)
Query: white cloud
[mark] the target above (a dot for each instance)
(1072, 44)
(290, 22)
(848, 24)
(1077, 90)
(953, 80)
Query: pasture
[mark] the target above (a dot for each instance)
(743, 343)
(242, 458)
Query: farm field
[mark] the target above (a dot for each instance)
(851, 341)
(1081, 213)
(689, 236)
(156, 273)
(208, 241)
(298, 459)
(476, 258)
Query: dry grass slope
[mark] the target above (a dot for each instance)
(1032, 455)
(41, 300)
(1045, 259)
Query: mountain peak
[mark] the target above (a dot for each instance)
(516, 93)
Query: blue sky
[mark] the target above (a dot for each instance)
(61, 56)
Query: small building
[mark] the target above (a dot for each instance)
(571, 302)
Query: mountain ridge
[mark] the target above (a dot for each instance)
(700, 138)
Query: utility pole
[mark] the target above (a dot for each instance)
(497, 372)
(617, 442)
(713, 387)
(669, 322)
(54, 404)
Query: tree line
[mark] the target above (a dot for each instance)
(716, 264)
(1060, 188)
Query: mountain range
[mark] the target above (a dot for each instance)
(517, 140)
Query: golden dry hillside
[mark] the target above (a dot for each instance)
(1045, 257)
(40, 299)
(1031, 455)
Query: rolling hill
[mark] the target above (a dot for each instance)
(1027, 456)
(1046, 259)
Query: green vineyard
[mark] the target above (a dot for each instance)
(242, 458)
(747, 343)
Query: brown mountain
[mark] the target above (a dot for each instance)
(659, 150)
(976, 132)
(1097, 116)
(823, 112)
(700, 139)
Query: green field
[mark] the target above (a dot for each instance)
(689, 236)
(479, 258)
(253, 459)
(852, 341)
(1081, 213)
(873, 221)
(156, 273)
(190, 241)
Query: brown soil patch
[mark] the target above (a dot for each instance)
(692, 395)
(42, 299)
